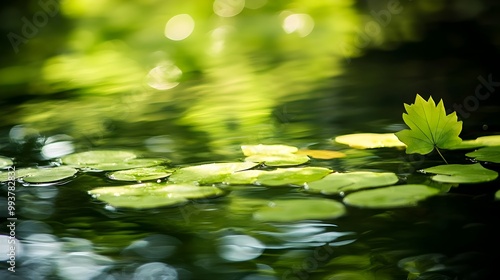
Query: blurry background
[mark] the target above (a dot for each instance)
(212, 74)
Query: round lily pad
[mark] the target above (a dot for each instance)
(461, 173)
(279, 160)
(208, 173)
(293, 176)
(491, 154)
(299, 209)
(370, 140)
(321, 154)
(152, 195)
(249, 150)
(337, 183)
(389, 197)
(40, 175)
(245, 177)
(5, 162)
(140, 174)
(490, 140)
(90, 158)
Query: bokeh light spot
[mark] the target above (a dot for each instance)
(179, 27)
(228, 8)
(302, 24)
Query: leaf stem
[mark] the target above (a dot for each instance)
(437, 149)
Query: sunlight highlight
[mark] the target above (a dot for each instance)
(179, 27)
(228, 8)
(302, 24)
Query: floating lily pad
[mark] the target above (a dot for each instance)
(370, 140)
(140, 174)
(337, 183)
(40, 175)
(151, 195)
(250, 150)
(108, 160)
(16, 174)
(461, 173)
(5, 162)
(299, 209)
(389, 197)
(497, 195)
(491, 154)
(245, 177)
(321, 154)
(292, 176)
(467, 144)
(490, 140)
(208, 173)
(279, 160)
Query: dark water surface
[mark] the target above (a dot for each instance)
(268, 89)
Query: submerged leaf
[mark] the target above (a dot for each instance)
(370, 140)
(461, 173)
(491, 154)
(299, 209)
(389, 197)
(337, 183)
(429, 127)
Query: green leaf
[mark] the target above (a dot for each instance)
(208, 173)
(337, 183)
(152, 195)
(140, 174)
(497, 195)
(291, 176)
(491, 154)
(389, 197)
(279, 160)
(41, 175)
(461, 173)
(430, 127)
(299, 209)
(370, 140)
(250, 150)
(108, 160)
(5, 162)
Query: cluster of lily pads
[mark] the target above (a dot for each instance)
(151, 182)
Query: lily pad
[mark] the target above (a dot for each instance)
(299, 209)
(497, 195)
(41, 175)
(370, 140)
(250, 150)
(467, 144)
(16, 174)
(337, 183)
(490, 140)
(389, 197)
(152, 195)
(491, 154)
(245, 177)
(291, 176)
(208, 173)
(279, 160)
(321, 154)
(461, 173)
(108, 160)
(140, 174)
(5, 162)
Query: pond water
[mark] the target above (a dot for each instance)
(114, 85)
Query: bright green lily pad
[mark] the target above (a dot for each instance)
(41, 175)
(108, 160)
(246, 177)
(5, 162)
(461, 173)
(491, 154)
(467, 144)
(250, 150)
(299, 209)
(279, 160)
(389, 197)
(18, 173)
(490, 140)
(292, 176)
(370, 140)
(152, 195)
(337, 183)
(208, 173)
(140, 174)
(497, 195)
